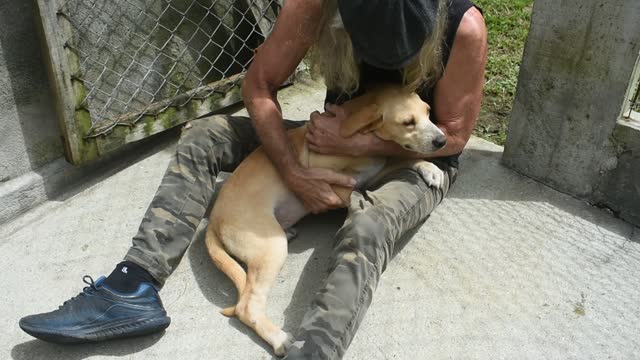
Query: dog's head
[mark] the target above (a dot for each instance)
(396, 115)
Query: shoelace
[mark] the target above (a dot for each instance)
(86, 290)
(90, 282)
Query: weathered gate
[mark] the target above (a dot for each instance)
(123, 70)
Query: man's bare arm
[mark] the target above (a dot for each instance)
(275, 61)
(293, 34)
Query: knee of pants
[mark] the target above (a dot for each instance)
(204, 131)
(363, 236)
(199, 139)
(193, 148)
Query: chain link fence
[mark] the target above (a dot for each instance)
(635, 100)
(134, 58)
(634, 96)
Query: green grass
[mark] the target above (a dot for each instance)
(508, 25)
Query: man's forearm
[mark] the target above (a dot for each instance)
(266, 115)
(276, 59)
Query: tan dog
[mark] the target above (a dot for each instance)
(255, 205)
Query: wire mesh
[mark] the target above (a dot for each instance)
(135, 54)
(635, 99)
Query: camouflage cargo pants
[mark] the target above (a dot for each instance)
(363, 246)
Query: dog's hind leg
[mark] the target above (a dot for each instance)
(262, 271)
(226, 264)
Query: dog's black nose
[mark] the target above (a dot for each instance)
(439, 142)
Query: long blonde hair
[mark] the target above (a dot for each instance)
(333, 57)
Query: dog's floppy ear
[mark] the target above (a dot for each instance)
(365, 120)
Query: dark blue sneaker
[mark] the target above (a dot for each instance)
(100, 313)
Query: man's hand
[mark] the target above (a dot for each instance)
(313, 187)
(323, 134)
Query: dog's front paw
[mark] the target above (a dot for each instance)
(430, 173)
(282, 343)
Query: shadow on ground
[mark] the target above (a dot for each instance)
(484, 177)
(37, 349)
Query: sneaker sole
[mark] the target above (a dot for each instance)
(138, 328)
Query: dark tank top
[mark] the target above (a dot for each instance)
(372, 75)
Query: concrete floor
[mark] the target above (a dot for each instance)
(505, 268)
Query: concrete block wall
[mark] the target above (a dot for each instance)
(564, 129)
(30, 140)
(29, 135)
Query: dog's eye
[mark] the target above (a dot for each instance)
(411, 122)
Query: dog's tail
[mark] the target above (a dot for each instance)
(227, 265)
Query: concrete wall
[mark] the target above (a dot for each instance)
(620, 187)
(29, 135)
(564, 130)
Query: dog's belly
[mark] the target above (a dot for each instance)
(361, 169)
(368, 172)
(289, 210)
